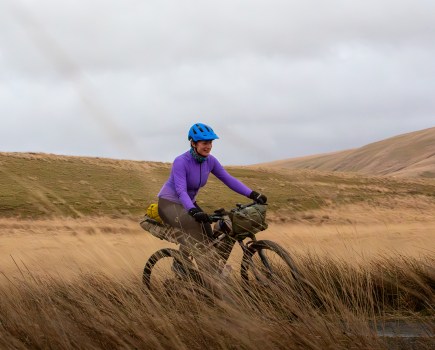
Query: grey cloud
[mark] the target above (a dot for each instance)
(276, 79)
(142, 35)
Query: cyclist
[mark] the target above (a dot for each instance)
(177, 204)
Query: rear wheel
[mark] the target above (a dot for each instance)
(162, 276)
(267, 264)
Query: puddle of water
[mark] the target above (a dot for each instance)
(402, 329)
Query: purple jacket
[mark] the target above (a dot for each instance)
(188, 176)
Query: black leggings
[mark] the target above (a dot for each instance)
(174, 214)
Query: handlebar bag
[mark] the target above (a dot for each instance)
(250, 219)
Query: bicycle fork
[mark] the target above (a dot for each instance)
(249, 253)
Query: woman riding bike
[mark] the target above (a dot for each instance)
(177, 205)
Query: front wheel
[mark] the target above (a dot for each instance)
(266, 263)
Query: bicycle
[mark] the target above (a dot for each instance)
(264, 262)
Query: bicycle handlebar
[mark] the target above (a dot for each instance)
(220, 213)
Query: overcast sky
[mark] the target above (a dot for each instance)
(275, 79)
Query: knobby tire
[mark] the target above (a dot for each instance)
(259, 248)
(167, 253)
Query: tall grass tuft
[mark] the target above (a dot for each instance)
(333, 309)
(385, 285)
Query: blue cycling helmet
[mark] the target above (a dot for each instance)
(201, 132)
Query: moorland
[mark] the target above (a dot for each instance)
(72, 254)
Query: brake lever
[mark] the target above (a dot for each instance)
(220, 211)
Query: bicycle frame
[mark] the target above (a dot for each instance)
(222, 214)
(249, 248)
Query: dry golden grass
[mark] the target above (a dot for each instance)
(365, 246)
(66, 246)
(68, 283)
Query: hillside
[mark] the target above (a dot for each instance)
(42, 185)
(407, 155)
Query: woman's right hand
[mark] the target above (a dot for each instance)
(199, 215)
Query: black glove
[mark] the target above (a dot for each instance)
(199, 215)
(258, 197)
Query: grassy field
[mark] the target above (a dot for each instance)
(72, 254)
(37, 186)
(76, 283)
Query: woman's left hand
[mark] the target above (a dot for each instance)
(258, 197)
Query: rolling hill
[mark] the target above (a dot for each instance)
(46, 185)
(406, 155)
